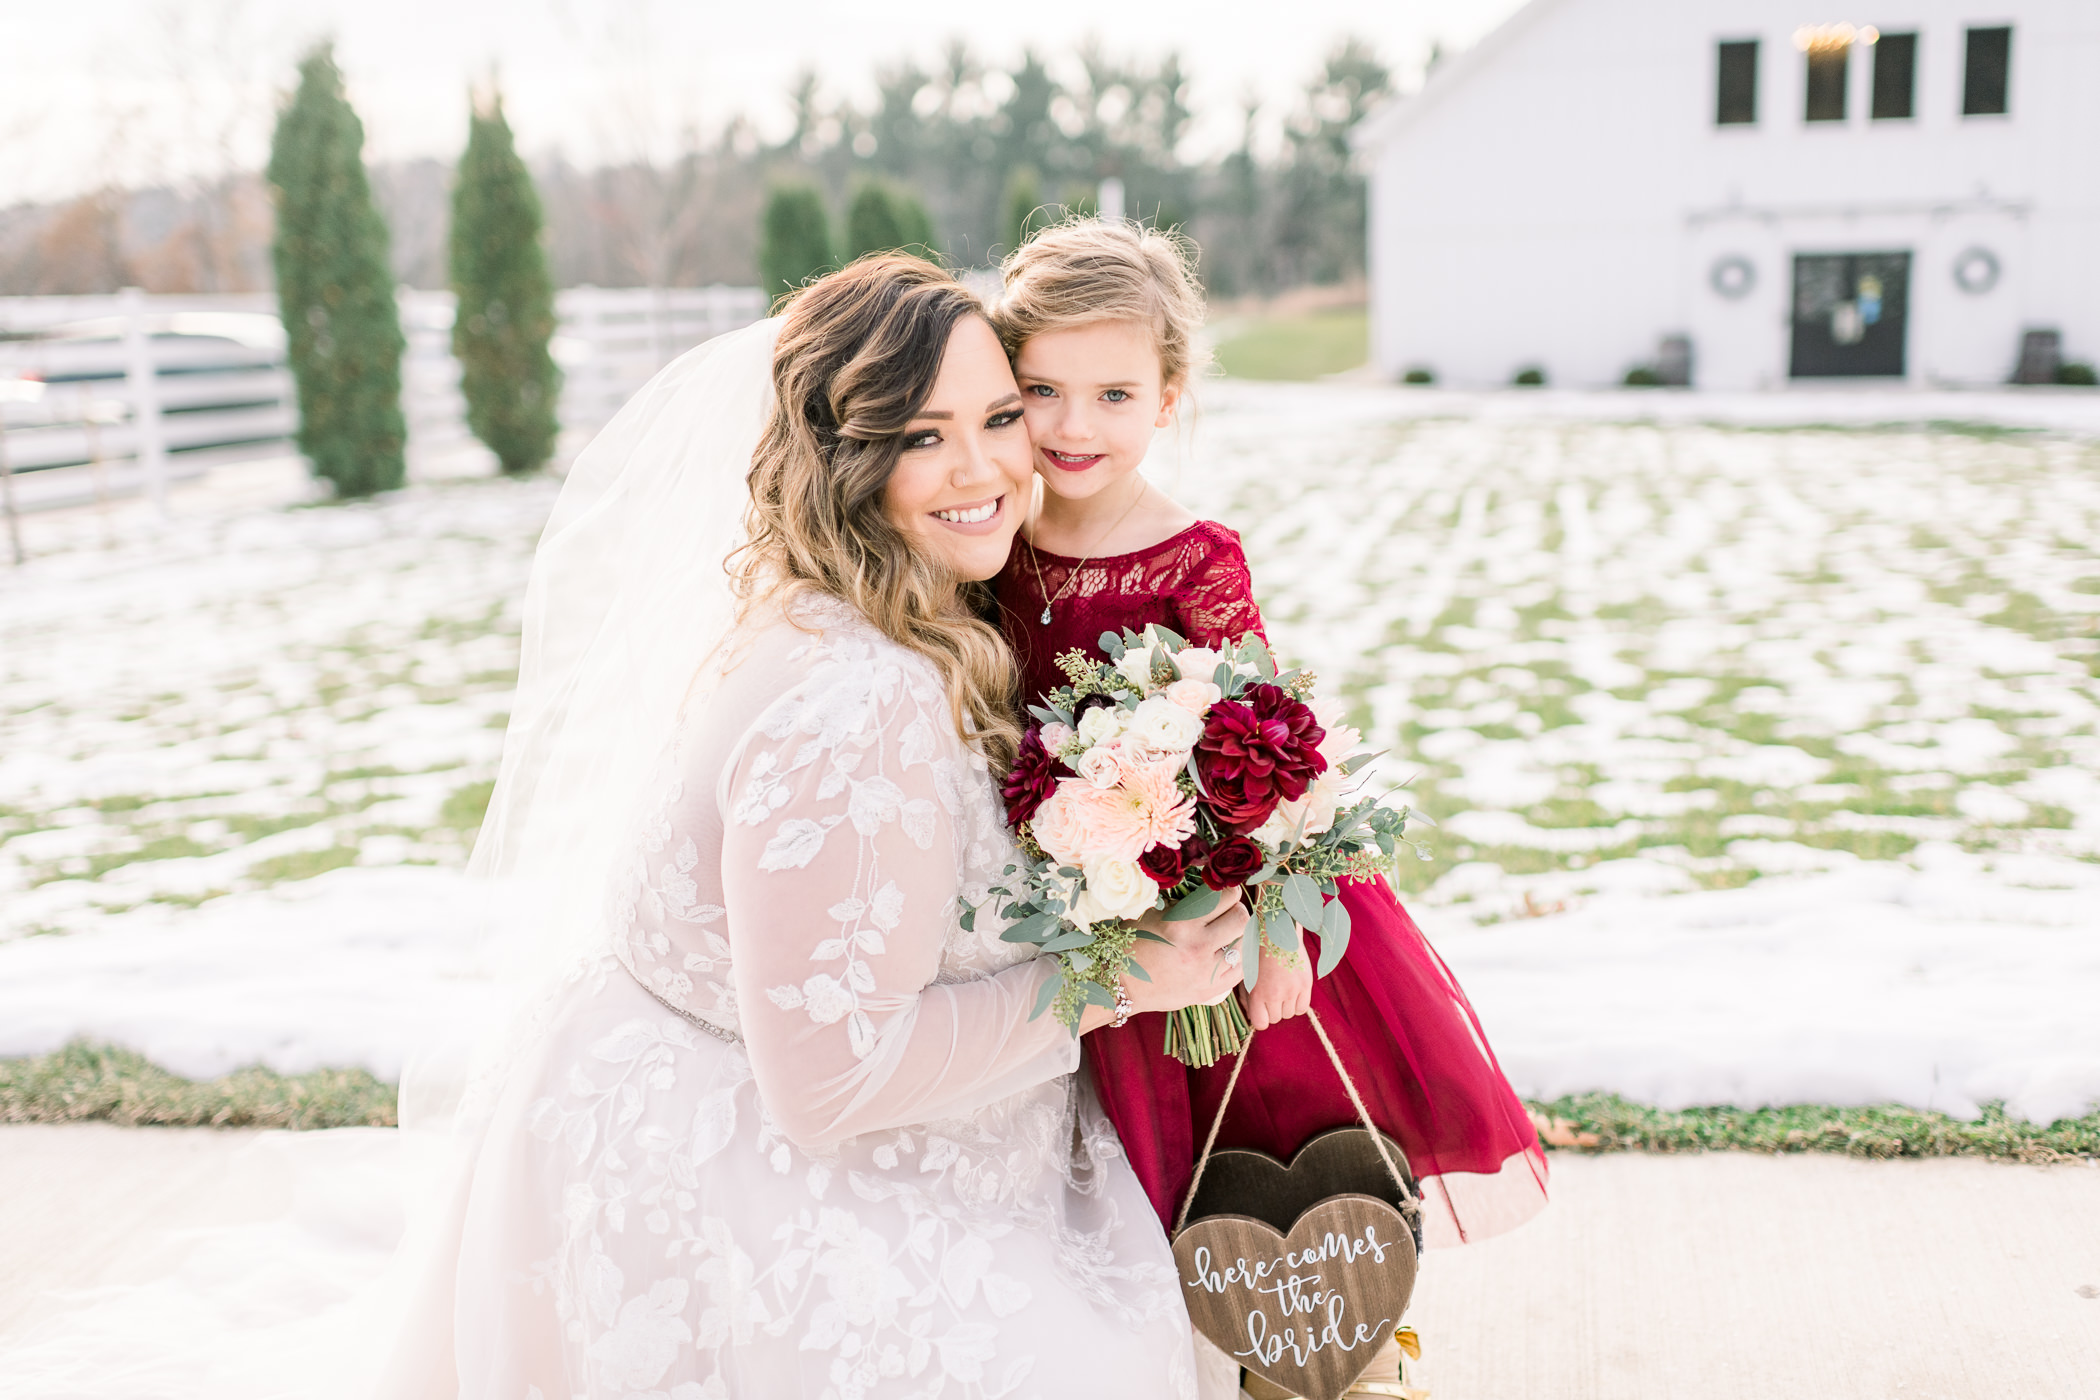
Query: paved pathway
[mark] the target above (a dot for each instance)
(1719, 1277)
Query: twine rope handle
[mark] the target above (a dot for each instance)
(1334, 1058)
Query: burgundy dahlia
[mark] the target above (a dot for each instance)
(1257, 751)
(1234, 861)
(1169, 865)
(1032, 779)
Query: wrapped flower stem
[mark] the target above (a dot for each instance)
(1199, 1036)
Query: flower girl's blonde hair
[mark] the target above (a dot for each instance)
(857, 357)
(1085, 271)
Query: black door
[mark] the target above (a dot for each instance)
(1849, 313)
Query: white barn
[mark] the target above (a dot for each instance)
(1801, 193)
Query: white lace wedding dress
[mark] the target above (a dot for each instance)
(797, 1135)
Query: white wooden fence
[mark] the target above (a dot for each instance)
(152, 386)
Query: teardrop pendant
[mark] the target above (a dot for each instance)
(1046, 614)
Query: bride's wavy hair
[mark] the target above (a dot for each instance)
(856, 360)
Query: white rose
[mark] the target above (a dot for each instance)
(1316, 809)
(1136, 667)
(1165, 727)
(1115, 889)
(1100, 724)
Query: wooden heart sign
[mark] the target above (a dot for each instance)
(1242, 1181)
(1305, 1310)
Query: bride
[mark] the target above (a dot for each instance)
(785, 1128)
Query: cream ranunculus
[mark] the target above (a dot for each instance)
(1100, 724)
(1056, 736)
(1164, 726)
(1115, 889)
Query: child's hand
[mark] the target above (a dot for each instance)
(1280, 991)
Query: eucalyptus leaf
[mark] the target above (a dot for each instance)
(1196, 906)
(1302, 897)
(1334, 937)
(1137, 969)
(1030, 929)
(1222, 677)
(1422, 817)
(1098, 995)
(1359, 760)
(1113, 645)
(1149, 936)
(1047, 993)
(1046, 716)
(1250, 967)
(968, 921)
(1174, 640)
(1068, 940)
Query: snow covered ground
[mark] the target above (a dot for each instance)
(1764, 750)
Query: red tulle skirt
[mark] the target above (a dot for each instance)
(1412, 1044)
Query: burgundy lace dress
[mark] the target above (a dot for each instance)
(1396, 1014)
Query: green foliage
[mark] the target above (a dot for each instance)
(886, 219)
(1297, 347)
(1641, 377)
(1420, 374)
(84, 1083)
(1529, 377)
(506, 298)
(794, 239)
(1612, 1124)
(1022, 208)
(335, 290)
(2076, 372)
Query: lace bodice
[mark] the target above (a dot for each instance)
(800, 879)
(1195, 582)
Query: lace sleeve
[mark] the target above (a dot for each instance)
(842, 861)
(1214, 602)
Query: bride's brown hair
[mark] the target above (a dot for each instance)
(856, 360)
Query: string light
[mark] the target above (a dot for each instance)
(1819, 38)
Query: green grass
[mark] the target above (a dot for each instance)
(84, 1083)
(1881, 1132)
(1297, 347)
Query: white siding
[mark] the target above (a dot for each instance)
(1560, 195)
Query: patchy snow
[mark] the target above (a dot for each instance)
(1764, 759)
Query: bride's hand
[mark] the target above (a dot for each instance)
(1196, 966)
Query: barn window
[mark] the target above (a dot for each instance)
(1736, 103)
(1828, 66)
(1985, 85)
(1895, 76)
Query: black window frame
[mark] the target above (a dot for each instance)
(1986, 75)
(1833, 60)
(1735, 102)
(1895, 80)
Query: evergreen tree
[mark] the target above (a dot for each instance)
(886, 219)
(794, 241)
(1022, 208)
(873, 224)
(506, 298)
(335, 290)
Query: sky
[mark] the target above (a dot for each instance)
(140, 91)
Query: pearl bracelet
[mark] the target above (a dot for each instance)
(1125, 1007)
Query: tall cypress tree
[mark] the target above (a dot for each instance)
(335, 290)
(794, 241)
(506, 298)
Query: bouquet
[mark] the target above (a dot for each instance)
(1169, 776)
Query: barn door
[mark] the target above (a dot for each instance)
(1849, 313)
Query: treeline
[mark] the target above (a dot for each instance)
(974, 146)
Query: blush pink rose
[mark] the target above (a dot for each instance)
(1195, 696)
